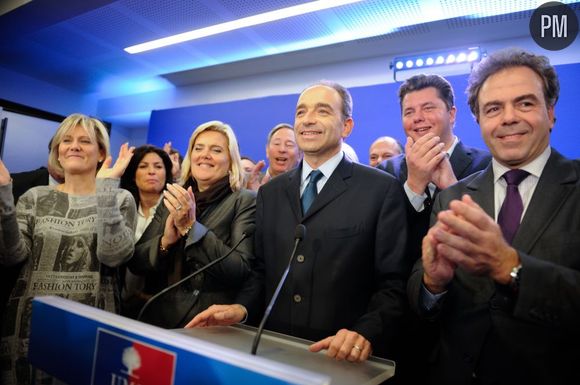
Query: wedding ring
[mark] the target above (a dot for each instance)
(178, 207)
(357, 348)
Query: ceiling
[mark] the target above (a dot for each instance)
(78, 44)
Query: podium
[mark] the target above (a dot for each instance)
(79, 344)
(294, 351)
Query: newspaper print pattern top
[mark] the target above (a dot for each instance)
(71, 246)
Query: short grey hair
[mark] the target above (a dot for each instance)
(345, 96)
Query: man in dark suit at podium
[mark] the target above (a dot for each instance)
(344, 288)
(507, 295)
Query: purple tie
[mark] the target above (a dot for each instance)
(512, 207)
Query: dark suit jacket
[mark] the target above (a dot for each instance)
(216, 230)
(464, 162)
(532, 337)
(349, 267)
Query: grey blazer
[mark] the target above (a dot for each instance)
(532, 337)
(215, 231)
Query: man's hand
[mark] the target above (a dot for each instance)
(474, 241)
(443, 175)
(218, 315)
(344, 345)
(438, 271)
(254, 182)
(422, 157)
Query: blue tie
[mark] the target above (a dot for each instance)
(310, 192)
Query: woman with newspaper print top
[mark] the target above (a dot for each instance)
(70, 237)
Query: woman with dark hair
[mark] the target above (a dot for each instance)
(145, 177)
(200, 220)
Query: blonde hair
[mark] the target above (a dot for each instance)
(235, 172)
(94, 128)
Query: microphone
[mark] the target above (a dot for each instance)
(246, 234)
(299, 234)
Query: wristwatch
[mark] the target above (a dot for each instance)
(515, 277)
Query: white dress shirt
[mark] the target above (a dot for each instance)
(327, 168)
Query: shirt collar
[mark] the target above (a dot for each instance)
(152, 210)
(327, 168)
(453, 145)
(535, 167)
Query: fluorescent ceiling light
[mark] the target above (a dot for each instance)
(261, 18)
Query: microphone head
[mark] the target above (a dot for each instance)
(300, 232)
(250, 230)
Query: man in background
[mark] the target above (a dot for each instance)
(282, 153)
(176, 160)
(434, 157)
(248, 164)
(384, 148)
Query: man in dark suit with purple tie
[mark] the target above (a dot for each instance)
(500, 268)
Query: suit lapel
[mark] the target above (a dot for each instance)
(333, 188)
(481, 190)
(292, 187)
(554, 187)
(403, 170)
(460, 160)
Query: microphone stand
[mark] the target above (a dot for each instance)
(245, 235)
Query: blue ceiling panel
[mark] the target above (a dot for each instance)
(293, 30)
(112, 24)
(238, 9)
(378, 14)
(79, 45)
(162, 18)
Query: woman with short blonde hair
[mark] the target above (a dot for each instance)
(87, 210)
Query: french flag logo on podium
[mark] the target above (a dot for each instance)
(120, 360)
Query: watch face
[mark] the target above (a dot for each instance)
(515, 276)
(515, 271)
